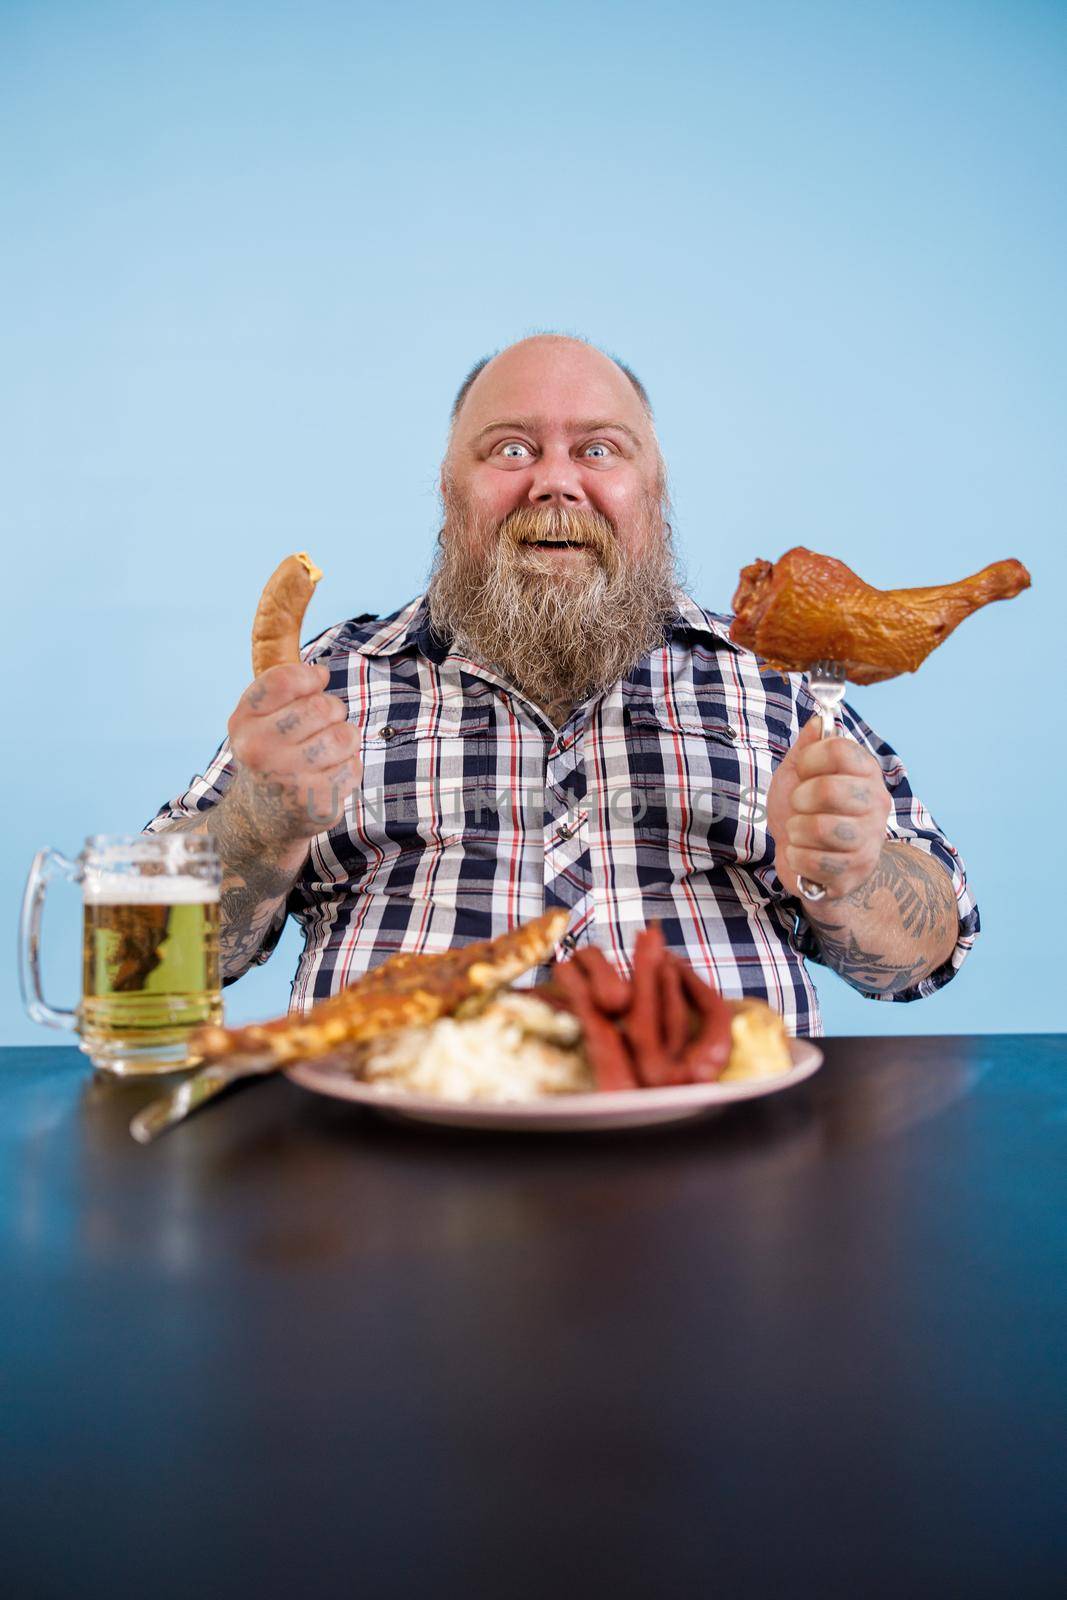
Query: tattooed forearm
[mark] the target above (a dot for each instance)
(256, 878)
(918, 884)
(249, 901)
(893, 930)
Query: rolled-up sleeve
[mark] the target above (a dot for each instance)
(203, 791)
(910, 822)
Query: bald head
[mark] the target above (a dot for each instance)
(480, 366)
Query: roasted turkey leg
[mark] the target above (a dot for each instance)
(806, 608)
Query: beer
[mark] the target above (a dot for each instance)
(150, 947)
(150, 965)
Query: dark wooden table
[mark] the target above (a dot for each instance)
(816, 1345)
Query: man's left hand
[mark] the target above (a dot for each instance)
(827, 808)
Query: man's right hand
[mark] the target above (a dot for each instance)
(296, 755)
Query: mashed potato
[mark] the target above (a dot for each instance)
(516, 1048)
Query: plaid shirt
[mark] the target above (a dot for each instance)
(475, 814)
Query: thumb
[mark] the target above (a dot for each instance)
(810, 733)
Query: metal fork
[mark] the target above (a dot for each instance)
(826, 682)
(159, 1115)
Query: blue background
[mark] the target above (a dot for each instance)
(249, 252)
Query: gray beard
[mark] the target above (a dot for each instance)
(558, 636)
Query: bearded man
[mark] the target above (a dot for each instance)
(556, 722)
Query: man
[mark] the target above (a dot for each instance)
(556, 722)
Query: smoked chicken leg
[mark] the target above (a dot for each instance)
(806, 608)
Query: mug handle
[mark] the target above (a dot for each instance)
(47, 864)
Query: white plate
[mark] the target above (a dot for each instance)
(563, 1113)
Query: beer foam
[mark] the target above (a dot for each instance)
(165, 889)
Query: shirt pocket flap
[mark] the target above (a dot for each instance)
(710, 719)
(421, 723)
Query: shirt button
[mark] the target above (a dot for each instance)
(564, 831)
(386, 732)
(730, 731)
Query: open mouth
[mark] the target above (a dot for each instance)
(556, 544)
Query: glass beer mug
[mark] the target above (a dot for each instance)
(150, 947)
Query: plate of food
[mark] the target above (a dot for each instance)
(557, 1111)
(447, 1038)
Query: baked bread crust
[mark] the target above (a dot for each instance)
(406, 991)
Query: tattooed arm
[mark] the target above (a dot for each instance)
(896, 928)
(256, 877)
(889, 916)
(295, 757)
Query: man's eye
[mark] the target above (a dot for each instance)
(513, 444)
(600, 445)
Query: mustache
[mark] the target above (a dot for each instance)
(560, 524)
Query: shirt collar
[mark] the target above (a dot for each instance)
(410, 628)
(691, 618)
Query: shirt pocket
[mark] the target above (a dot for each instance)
(425, 773)
(700, 778)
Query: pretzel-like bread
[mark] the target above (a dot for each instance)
(406, 991)
(280, 613)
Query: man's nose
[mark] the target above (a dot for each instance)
(556, 480)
